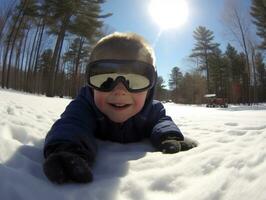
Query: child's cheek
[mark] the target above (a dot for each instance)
(99, 100)
(140, 99)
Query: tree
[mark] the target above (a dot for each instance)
(238, 24)
(193, 88)
(245, 79)
(174, 81)
(65, 18)
(10, 35)
(77, 54)
(203, 48)
(234, 63)
(235, 72)
(261, 70)
(23, 39)
(160, 89)
(45, 68)
(15, 32)
(258, 10)
(175, 78)
(219, 74)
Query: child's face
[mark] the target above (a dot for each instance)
(119, 104)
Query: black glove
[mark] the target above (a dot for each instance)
(188, 143)
(61, 167)
(170, 146)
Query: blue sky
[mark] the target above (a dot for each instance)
(173, 46)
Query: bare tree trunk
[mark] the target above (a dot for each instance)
(21, 79)
(9, 38)
(26, 68)
(29, 73)
(57, 49)
(255, 98)
(57, 87)
(243, 42)
(207, 71)
(1, 55)
(38, 52)
(76, 68)
(18, 52)
(14, 42)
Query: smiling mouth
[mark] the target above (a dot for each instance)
(119, 105)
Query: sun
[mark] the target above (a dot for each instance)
(169, 13)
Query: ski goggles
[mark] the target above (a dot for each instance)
(137, 76)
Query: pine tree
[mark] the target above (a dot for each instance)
(45, 68)
(236, 69)
(77, 54)
(219, 74)
(203, 48)
(234, 64)
(175, 78)
(258, 12)
(160, 90)
(174, 81)
(261, 71)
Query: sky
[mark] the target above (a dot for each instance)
(172, 47)
(228, 164)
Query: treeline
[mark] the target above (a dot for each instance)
(238, 76)
(45, 45)
(228, 78)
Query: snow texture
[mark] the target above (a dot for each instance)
(228, 164)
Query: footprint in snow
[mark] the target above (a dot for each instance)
(237, 132)
(39, 117)
(10, 110)
(224, 140)
(21, 135)
(256, 128)
(18, 107)
(231, 124)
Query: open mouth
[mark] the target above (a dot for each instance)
(119, 105)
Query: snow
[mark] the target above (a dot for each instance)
(229, 163)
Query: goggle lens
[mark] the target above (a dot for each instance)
(106, 81)
(135, 75)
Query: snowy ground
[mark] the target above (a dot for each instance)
(229, 163)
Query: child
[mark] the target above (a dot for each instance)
(117, 106)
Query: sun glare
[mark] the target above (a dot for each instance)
(169, 13)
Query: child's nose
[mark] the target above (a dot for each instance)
(120, 89)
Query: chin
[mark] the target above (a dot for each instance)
(119, 120)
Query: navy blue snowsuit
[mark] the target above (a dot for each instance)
(82, 122)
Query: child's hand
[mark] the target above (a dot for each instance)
(170, 146)
(188, 143)
(64, 167)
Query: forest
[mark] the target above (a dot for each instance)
(44, 49)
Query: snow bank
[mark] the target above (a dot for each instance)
(229, 163)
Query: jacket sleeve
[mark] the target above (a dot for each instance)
(164, 128)
(75, 128)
